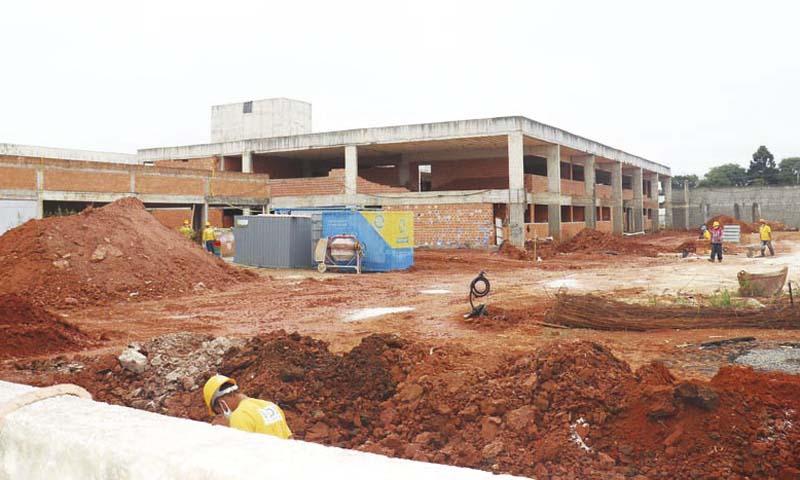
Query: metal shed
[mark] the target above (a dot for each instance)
(277, 241)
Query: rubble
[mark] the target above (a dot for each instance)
(132, 360)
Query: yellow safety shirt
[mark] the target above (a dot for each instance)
(765, 231)
(208, 234)
(186, 231)
(259, 416)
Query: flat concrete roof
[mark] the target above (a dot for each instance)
(408, 134)
(15, 150)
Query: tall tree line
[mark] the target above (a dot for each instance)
(762, 171)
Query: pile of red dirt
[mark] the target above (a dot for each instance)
(514, 253)
(27, 330)
(569, 410)
(119, 251)
(594, 241)
(728, 220)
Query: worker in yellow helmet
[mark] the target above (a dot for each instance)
(238, 411)
(716, 242)
(208, 237)
(186, 230)
(765, 234)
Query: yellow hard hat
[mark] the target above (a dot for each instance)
(186, 222)
(716, 224)
(208, 224)
(761, 220)
(211, 390)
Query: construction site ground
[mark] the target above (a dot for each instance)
(423, 310)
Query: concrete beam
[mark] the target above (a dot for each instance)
(412, 198)
(350, 170)
(32, 151)
(617, 220)
(516, 190)
(486, 127)
(637, 204)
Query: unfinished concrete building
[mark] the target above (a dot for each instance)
(470, 182)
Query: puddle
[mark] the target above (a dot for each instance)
(435, 291)
(365, 313)
(563, 283)
(783, 359)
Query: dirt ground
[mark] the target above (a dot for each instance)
(424, 308)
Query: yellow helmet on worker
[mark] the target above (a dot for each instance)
(186, 222)
(208, 224)
(761, 220)
(212, 390)
(716, 224)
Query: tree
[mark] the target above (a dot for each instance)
(790, 171)
(762, 169)
(678, 181)
(728, 175)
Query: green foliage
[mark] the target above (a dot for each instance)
(727, 175)
(763, 170)
(678, 181)
(790, 171)
(723, 299)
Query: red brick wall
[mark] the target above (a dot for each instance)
(254, 188)
(470, 174)
(382, 175)
(207, 163)
(18, 178)
(333, 184)
(84, 181)
(449, 226)
(170, 185)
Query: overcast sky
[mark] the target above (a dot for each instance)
(689, 84)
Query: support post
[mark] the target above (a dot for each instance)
(617, 222)
(517, 198)
(654, 195)
(638, 200)
(247, 162)
(247, 211)
(403, 172)
(554, 188)
(40, 192)
(667, 202)
(350, 169)
(221, 163)
(590, 191)
(686, 223)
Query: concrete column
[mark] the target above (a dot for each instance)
(517, 199)
(204, 216)
(350, 169)
(638, 200)
(554, 188)
(247, 162)
(654, 195)
(617, 220)
(667, 202)
(589, 186)
(221, 163)
(40, 193)
(403, 172)
(686, 224)
(246, 211)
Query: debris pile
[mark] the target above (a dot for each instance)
(119, 251)
(594, 241)
(728, 220)
(600, 313)
(28, 330)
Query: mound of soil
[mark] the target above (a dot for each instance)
(594, 241)
(514, 253)
(119, 251)
(569, 410)
(728, 220)
(27, 330)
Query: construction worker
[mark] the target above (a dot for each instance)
(704, 233)
(186, 230)
(765, 233)
(716, 242)
(209, 237)
(222, 397)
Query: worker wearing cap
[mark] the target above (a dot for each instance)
(222, 397)
(186, 230)
(716, 242)
(209, 237)
(765, 233)
(704, 233)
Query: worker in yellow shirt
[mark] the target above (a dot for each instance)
(238, 411)
(209, 237)
(765, 233)
(186, 230)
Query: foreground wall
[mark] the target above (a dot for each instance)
(70, 438)
(693, 207)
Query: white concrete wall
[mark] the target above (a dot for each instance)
(273, 117)
(16, 212)
(67, 154)
(70, 438)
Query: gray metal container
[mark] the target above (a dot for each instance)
(277, 241)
